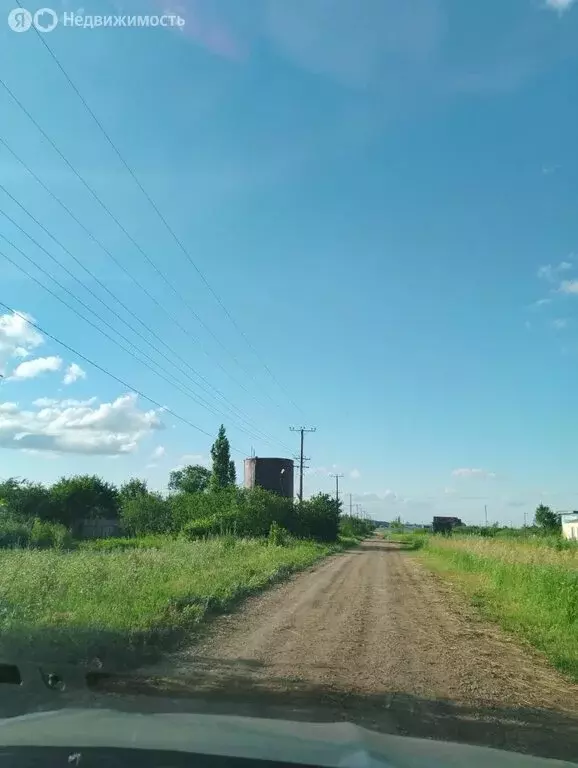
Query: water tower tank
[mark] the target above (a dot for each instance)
(271, 474)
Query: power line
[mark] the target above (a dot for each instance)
(101, 368)
(200, 400)
(174, 383)
(128, 235)
(108, 291)
(163, 219)
(127, 272)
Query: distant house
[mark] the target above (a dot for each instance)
(445, 524)
(570, 525)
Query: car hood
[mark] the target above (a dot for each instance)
(340, 745)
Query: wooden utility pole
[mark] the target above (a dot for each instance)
(336, 476)
(350, 505)
(301, 458)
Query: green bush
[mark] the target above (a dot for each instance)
(13, 532)
(243, 513)
(277, 535)
(25, 500)
(187, 507)
(132, 489)
(146, 513)
(256, 510)
(354, 527)
(200, 529)
(43, 517)
(82, 497)
(45, 535)
(319, 518)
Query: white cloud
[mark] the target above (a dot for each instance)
(193, 458)
(559, 5)
(551, 271)
(158, 452)
(560, 323)
(107, 429)
(467, 472)
(32, 368)
(47, 402)
(355, 474)
(569, 286)
(73, 373)
(17, 338)
(541, 302)
(450, 491)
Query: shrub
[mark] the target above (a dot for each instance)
(82, 497)
(256, 510)
(199, 529)
(13, 532)
(45, 535)
(277, 535)
(132, 489)
(319, 518)
(187, 507)
(354, 527)
(146, 513)
(25, 500)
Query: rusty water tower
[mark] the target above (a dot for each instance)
(274, 475)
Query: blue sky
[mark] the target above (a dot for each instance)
(383, 197)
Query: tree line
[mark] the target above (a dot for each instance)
(201, 502)
(546, 523)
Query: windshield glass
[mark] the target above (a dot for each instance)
(287, 337)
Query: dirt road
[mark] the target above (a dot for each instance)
(372, 637)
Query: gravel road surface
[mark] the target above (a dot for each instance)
(372, 637)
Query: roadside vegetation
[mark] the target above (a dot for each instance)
(173, 559)
(526, 580)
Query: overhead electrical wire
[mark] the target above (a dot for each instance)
(164, 221)
(172, 382)
(237, 414)
(129, 236)
(128, 273)
(104, 370)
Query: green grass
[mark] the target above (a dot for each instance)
(111, 603)
(529, 587)
(407, 540)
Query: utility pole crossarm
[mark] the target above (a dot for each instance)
(336, 476)
(302, 431)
